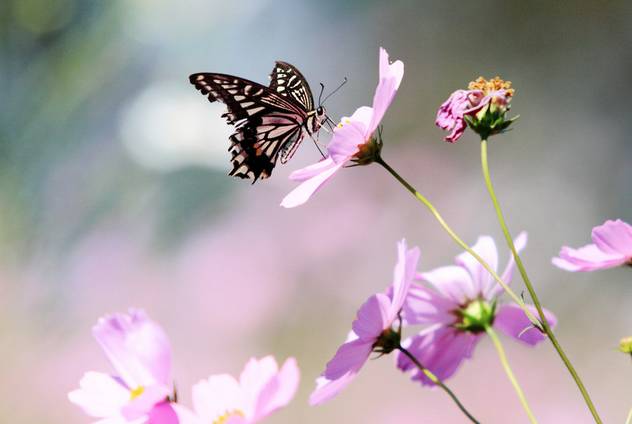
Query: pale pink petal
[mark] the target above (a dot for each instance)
(349, 357)
(310, 171)
(121, 420)
(481, 279)
(520, 243)
(137, 347)
(306, 189)
(512, 320)
(373, 317)
(216, 396)
(186, 416)
(439, 349)
(100, 395)
(327, 389)
(391, 75)
(141, 405)
(256, 375)
(349, 134)
(425, 306)
(279, 390)
(587, 258)
(341, 370)
(453, 282)
(403, 276)
(614, 237)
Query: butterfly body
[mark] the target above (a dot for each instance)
(270, 122)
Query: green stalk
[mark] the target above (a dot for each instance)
(512, 378)
(438, 382)
(459, 241)
(545, 324)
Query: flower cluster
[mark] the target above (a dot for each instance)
(483, 107)
(141, 391)
(448, 310)
(455, 304)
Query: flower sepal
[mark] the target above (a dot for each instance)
(388, 341)
(489, 121)
(369, 151)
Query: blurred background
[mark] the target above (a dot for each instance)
(114, 193)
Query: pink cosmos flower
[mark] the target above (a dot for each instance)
(141, 355)
(612, 247)
(482, 96)
(353, 135)
(455, 306)
(262, 389)
(371, 328)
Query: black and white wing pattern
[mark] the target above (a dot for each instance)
(287, 81)
(269, 121)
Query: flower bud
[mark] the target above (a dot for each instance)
(625, 345)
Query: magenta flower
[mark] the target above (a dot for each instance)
(141, 355)
(371, 331)
(262, 389)
(484, 104)
(353, 139)
(455, 306)
(612, 247)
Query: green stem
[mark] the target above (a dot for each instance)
(460, 242)
(629, 419)
(438, 382)
(545, 324)
(514, 382)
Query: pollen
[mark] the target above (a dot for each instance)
(343, 122)
(493, 84)
(136, 392)
(224, 418)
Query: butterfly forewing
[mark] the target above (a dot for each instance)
(268, 120)
(287, 81)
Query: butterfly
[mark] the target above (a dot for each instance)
(270, 122)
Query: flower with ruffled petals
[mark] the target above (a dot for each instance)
(483, 106)
(141, 355)
(262, 389)
(354, 138)
(456, 304)
(611, 247)
(372, 331)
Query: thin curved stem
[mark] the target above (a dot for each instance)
(460, 242)
(536, 301)
(438, 382)
(512, 378)
(629, 419)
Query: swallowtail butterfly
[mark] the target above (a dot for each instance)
(270, 121)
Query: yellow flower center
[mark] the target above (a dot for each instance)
(222, 419)
(493, 84)
(136, 392)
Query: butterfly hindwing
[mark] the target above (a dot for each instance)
(269, 121)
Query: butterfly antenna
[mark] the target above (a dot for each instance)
(344, 81)
(320, 96)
